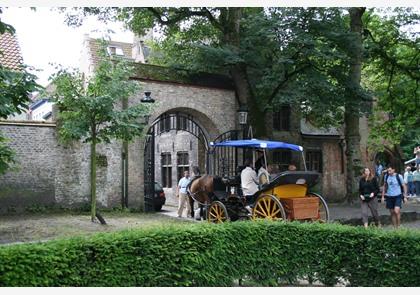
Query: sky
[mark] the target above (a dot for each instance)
(45, 39)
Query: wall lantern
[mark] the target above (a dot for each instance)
(147, 98)
(243, 115)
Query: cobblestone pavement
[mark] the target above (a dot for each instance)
(349, 213)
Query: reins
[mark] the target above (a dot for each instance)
(193, 195)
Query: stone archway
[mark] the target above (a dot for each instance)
(180, 127)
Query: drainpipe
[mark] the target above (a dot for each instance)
(124, 172)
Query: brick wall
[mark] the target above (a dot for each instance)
(51, 174)
(32, 182)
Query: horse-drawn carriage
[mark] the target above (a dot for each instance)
(285, 197)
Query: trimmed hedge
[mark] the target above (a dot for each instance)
(264, 253)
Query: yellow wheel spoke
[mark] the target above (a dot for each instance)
(262, 209)
(273, 208)
(217, 213)
(275, 212)
(267, 205)
(259, 212)
(213, 215)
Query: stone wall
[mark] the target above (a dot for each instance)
(32, 182)
(213, 109)
(52, 174)
(174, 142)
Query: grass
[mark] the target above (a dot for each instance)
(32, 227)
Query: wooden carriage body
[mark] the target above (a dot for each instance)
(292, 190)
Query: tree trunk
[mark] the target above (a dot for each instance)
(238, 72)
(245, 96)
(351, 115)
(93, 175)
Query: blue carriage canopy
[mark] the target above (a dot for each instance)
(259, 144)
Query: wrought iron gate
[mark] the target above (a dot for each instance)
(165, 123)
(227, 159)
(149, 171)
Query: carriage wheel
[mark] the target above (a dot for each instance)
(268, 207)
(217, 213)
(323, 212)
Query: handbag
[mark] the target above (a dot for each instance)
(367, 197)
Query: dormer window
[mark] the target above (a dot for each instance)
(115, 50)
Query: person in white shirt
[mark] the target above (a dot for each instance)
(249, 182)
(409, 181)
(182, 194)
(263, 175)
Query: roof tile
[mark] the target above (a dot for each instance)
(10, 54)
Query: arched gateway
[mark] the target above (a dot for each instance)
(221, 163)
(170, 121)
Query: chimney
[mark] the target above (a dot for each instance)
(139, 52)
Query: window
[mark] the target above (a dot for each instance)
(166, 163)
(281, 119)
(182, 123)
(114, 50)
(182, 163)
(165, 124)
(283, 159)
(314, 161)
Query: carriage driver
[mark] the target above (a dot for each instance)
(249, 183)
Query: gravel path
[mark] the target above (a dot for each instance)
(41, 227)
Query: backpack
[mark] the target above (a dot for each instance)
(398, 179)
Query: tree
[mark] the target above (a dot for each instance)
(15, 90)
(354, 95)
(88, 110)
(392, 73)
(219, 26)
(307, 57)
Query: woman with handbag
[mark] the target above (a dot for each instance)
(368, 189)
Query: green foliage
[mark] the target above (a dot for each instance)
(7, 156)
(95, 109)
(297, 56)
(5, 27)
(15, 90)
(261, 253)
(392, 73)
(91, 110)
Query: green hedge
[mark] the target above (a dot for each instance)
(263, 253)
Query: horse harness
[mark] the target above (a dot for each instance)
(193, 195)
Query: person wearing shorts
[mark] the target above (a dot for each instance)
(394, 195)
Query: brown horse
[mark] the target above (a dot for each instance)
(199, 190)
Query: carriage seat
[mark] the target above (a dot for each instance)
(308, 178)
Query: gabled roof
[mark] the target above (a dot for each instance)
(38, 103)
(10, 54)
